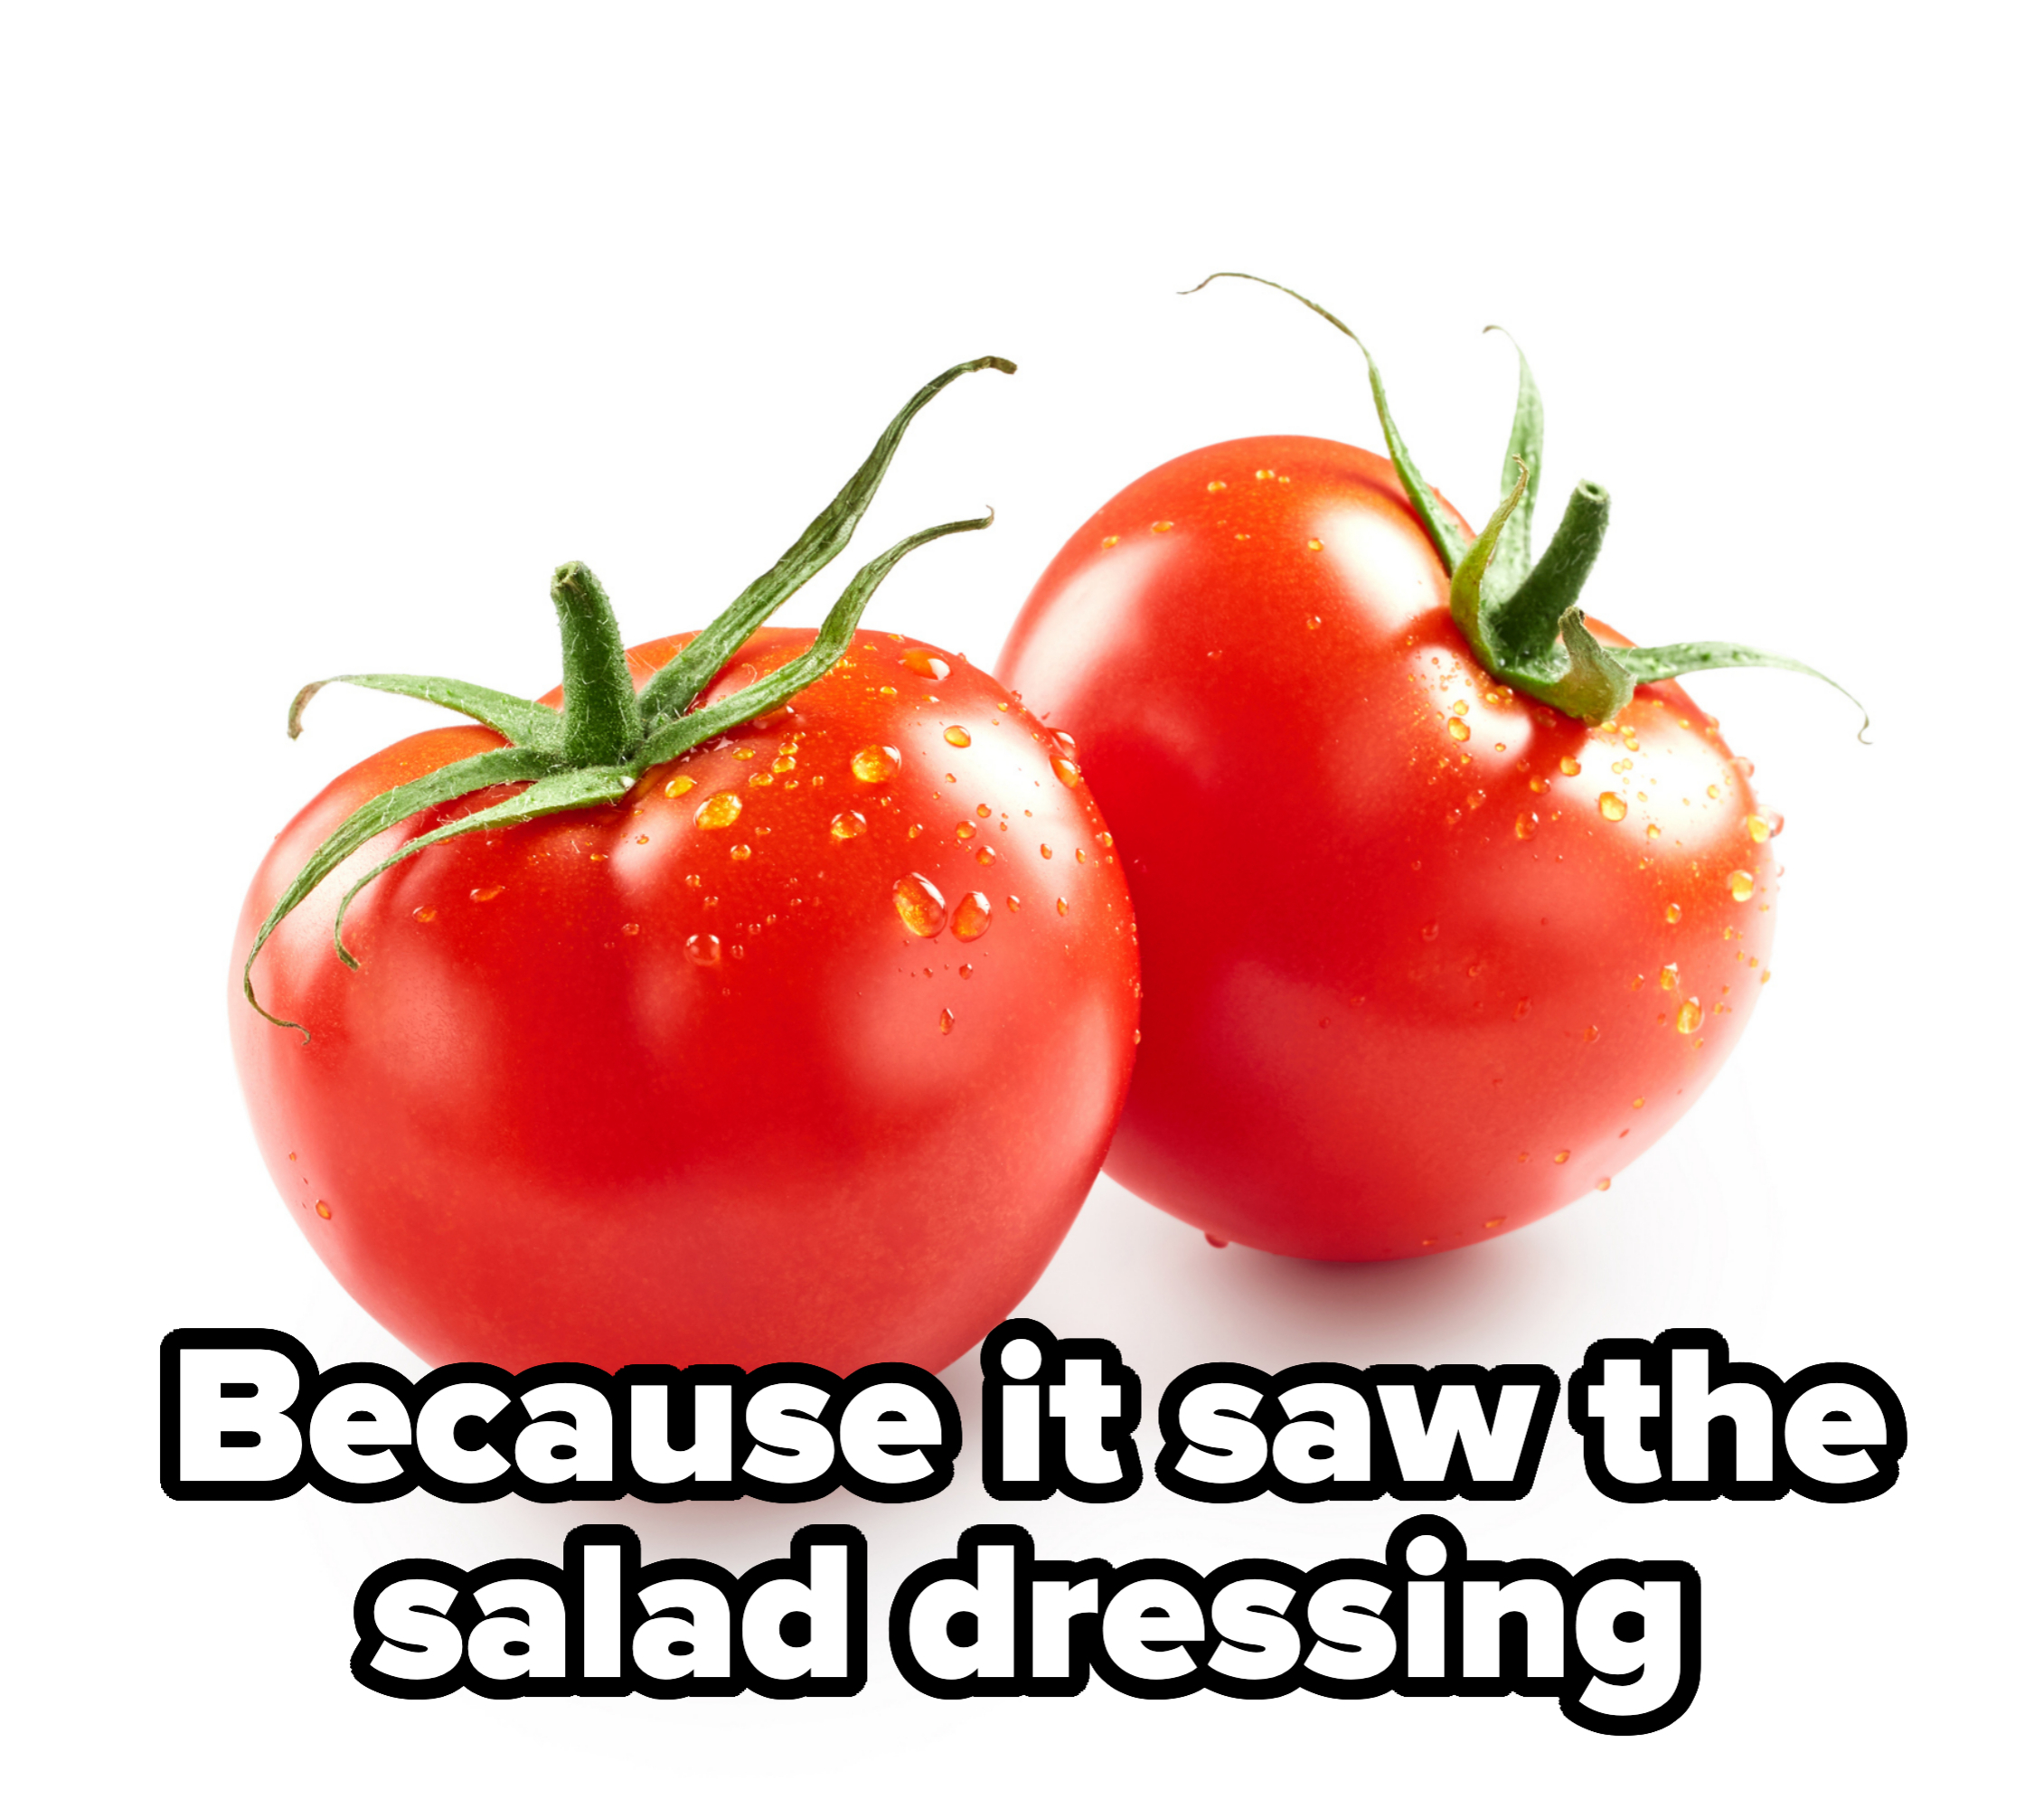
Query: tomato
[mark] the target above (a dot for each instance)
(827, 1080)
(802, 1041)
(1425, 957)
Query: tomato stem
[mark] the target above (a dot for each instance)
(599, 708)
(604, 737)
(1521, 619)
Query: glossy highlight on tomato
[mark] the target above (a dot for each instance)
(1425, 958)
(798, 1051)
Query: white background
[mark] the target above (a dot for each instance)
(329, 333)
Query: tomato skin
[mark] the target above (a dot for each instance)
(535, 1127)
(1403, 989)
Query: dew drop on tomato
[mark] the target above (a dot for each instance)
(875, 764)
(703, 950)
(920, 904)
(847, 824)
(973, 917)
(719, 812)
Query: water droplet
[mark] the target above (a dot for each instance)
(1570, 768)
(745, 753)
(965, 972)
(1537, 785)
(973, 917)
(926, 664)
(322, 1208)
(1603, 1185)
(1312, 622)
(424, 914)
(1740, 885)
(1068, 774)
(985, 855)
(920, 905)
(1710, 791)
(1215, 1242)
(1493, 1223)
(957, 737)
(1217, 484)
(1079, 855)
(1765, 974)
(1520, 1010)
(1062, 907)
(1014, 903)
(1162, 526)
(786, 763)
(1427, 931)
(1689, 1017)
(631, 928)
(1458, 730)
(1560, 1155)
(847, 824)
(876, 764)
(967, 831)
(741, 852)
(679, 785)
(719, 812)
(1045, 849)
(982, 812)
(1111, 540)
(1523, 828)
(944, 1022)
(1611, 806)
(703, 950)
(1264, 476)
(483, 893)
(1673, 913)
(1316, 546)
(1592, 1033)
(1638, 1104)
(1654, 832)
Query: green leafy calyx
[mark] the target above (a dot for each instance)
(603, 737)
(1521, 617)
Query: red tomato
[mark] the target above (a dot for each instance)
(1424, 959)
(807, 1048)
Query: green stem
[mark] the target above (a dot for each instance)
(1523, 623)
(599, 708)
(603, 739)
